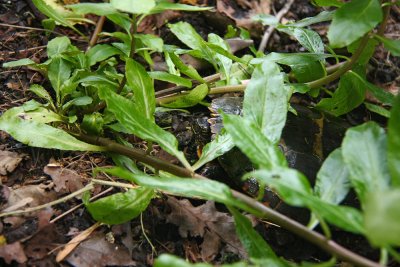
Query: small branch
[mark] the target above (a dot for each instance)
(270, 29)
(97, 30)
(88, 187)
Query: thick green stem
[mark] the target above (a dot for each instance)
(268, 213)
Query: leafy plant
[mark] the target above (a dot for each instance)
(91, 99)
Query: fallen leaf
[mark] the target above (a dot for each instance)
(96, 251)
(205, 221)
(65, 180)
(13, 252)
(9, 161)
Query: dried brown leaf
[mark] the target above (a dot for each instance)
(9, 161)
(13, 252)
(65, 180)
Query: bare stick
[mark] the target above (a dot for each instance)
(270, 29)
(97, 30)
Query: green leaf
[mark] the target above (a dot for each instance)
(151, 42)
(190, 99)
(188, 35)
(218, 45)
(254, 244)
(34, 112)
(251, 141)
(135, 7)
(335, 3)
(309, 39)
(93, 123)
(333, 184)
(53, 14)
(393, 46)
(78, 101)
(185, 69)
(40, 92)
(39, 134)
(57, 46)
(321, 17)
(349, 95)
(266, 19)
(171, 78)
(352, 20)
(120, 207)
(295, 189)
(381, 94)
(141, 83)
(266, 100)
(19, 63)
(59, 71)
(166, 260)
(378, 110)
(393, 145)
(101, 52)
(220, 145)
(99, 9)
(189, 187)
(165, 5)
(133, 119)
(382, 216)
(364, 151)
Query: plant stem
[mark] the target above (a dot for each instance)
(97, 30)
(266, 212)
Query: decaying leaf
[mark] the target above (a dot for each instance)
(9, 161)
(13, 252)
(65, 180)
(205, 221)
(97, 251)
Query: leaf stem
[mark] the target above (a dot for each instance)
(266, 212)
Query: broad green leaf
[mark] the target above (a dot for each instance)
(78, 101)
(335, 3)
(167, 260)
(393, 46)
(295, 189)
(39, 134)
(252, 142)
(321, 17)
(349, 95)
(333, 184)
(309, 39)
(150, 42)
(220, 145)
(266, 19)
(224, 63)
(134, 120)
(99, 9)
(41, 92)
(254, 244)
(393, 146)
(33, 112)
(189, 187)
(165, 5)
(382, 216)
(309, 71)
(364, 151)
(96, 79)
(53, 14)
(266, 100)
(57, 46)
(185, 69)
(381, 94)
(121, 20)
(378, 110)
(59, 71)
(18, 63)
(190, 99)
(101, 52)
(120, 207)
(352, 20)
(135, 7)
(141, 83)
(171, 78)
(188, 35)
(291, 59)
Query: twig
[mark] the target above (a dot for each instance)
(266, 212)
(97, 30)
(270, 29)
(88, 187)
